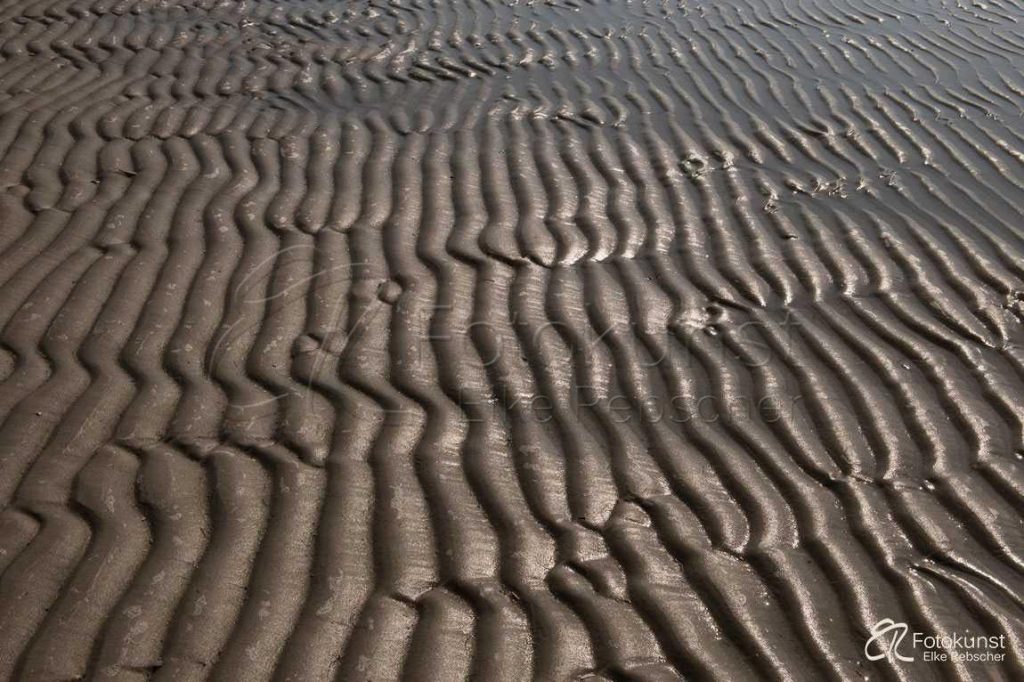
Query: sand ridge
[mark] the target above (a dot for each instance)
(506, 340)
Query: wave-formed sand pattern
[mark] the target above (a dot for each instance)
(560, 338)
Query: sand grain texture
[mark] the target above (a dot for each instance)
(552, 339)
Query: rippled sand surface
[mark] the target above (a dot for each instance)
(563, 339)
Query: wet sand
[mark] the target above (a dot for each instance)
(565, 339)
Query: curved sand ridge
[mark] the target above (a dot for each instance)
(552, 339)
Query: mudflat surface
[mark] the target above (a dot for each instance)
(554, 339)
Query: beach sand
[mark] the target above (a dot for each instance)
(551, 339)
